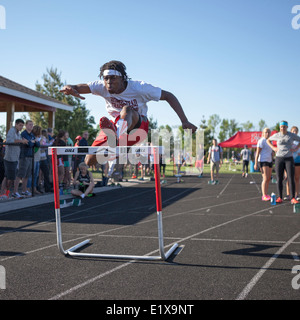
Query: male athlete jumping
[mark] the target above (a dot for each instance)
(126, 104)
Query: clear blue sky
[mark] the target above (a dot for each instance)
(236, 58)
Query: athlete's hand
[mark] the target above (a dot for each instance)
(188, 125)
(70, 90)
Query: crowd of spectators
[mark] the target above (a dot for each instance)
(25, 165)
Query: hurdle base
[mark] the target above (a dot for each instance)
(162, 257)
(77, 246)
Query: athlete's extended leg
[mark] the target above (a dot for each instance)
(131, 116)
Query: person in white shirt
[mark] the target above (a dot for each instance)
(126, 104)
(263, 159)
(246, 158)
(215, 158)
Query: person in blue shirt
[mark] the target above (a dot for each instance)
(25, 161)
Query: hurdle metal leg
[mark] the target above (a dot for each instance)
(72, 251)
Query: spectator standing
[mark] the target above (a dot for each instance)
(296, 156)
(60, 142)
(82, 143)
(67, 164)
(284, 159)
(51, 137)
(263, 159)
(25, 162)
(12, 153)
(215, 158)
(37, 132)
(44, 165)
(77, 139)
(245, 154)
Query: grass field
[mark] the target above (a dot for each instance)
(190, 170)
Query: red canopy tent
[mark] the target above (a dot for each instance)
(242, 138)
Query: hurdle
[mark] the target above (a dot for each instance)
(109, 152)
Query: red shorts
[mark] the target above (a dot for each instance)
(136, 135)
(199, 164)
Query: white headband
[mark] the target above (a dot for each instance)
(112, 73)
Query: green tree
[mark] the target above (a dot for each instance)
(276, 127)
(248, 126)
(212, 123)
(233, 128)
(261, 125)
(224, 129)
(207, 135)
(2, 131)
(152, 125)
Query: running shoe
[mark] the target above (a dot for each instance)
(105, 123)
(16, 195)
(266, 198)
(287, 198)
(279, 200)
(133, 176)
(294, 201)
(26, 193)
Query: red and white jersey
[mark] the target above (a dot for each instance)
(136, 96)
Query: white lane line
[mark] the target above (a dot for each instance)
(241, 240)
(79, 286)
(83, 284)
(225, 187)
(102, 275)
(243, 295)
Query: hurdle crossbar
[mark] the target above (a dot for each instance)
(108, 151)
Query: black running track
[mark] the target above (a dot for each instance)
(233, 246)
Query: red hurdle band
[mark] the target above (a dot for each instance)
(55, 178)
(157, 180)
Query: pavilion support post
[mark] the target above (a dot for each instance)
(10, 112)
(51, 119)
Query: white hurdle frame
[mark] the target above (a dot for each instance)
(54, 151)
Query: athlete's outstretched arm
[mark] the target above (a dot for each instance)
(76, 90)
(175, 104)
